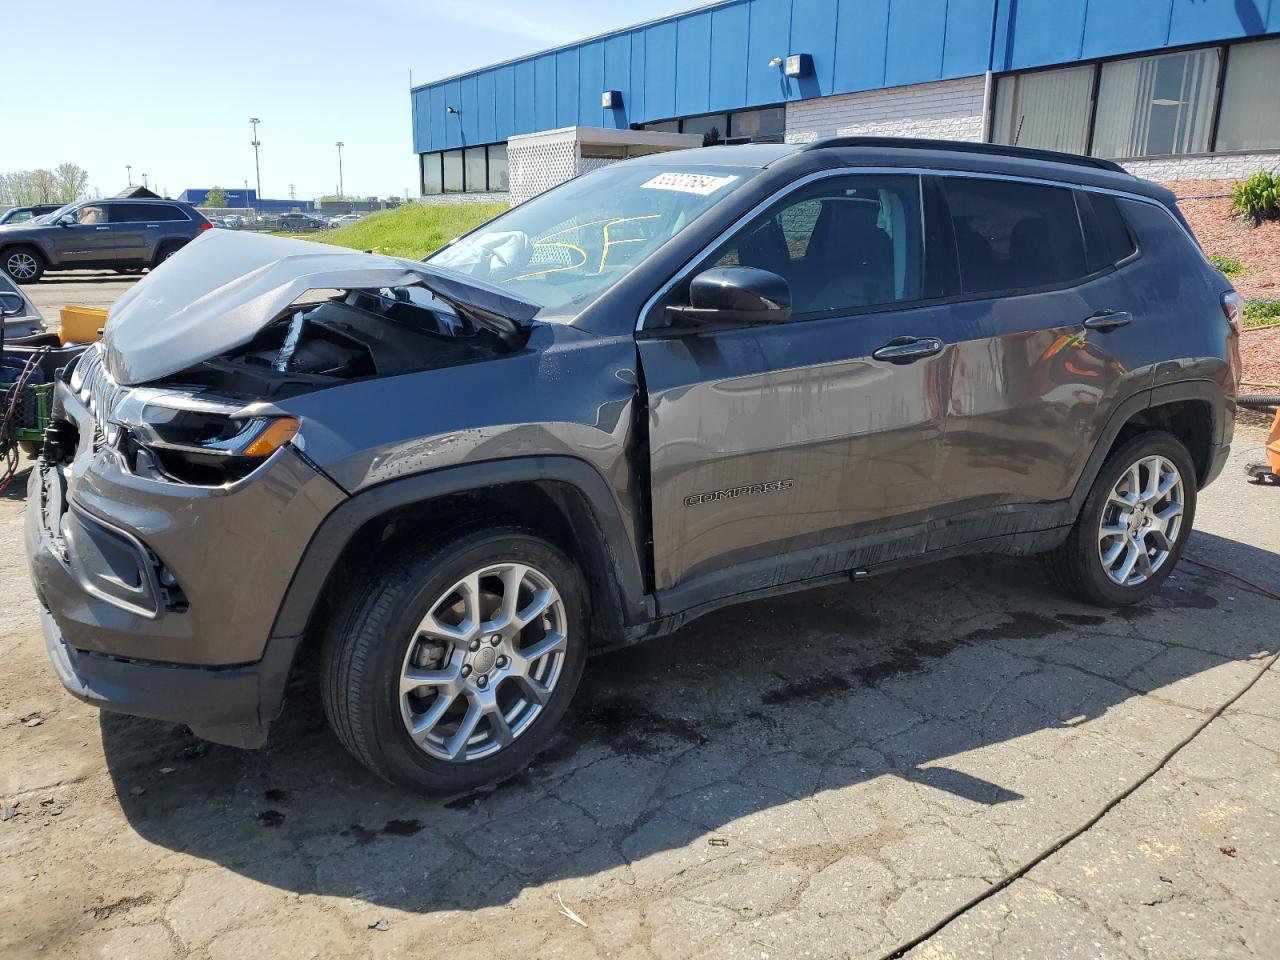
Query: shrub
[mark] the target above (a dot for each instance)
(1261, 313)
(1230, 266)
(1257, 197)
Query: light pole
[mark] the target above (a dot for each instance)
(256, 169)
(128, 172)
(144, 182)
(339, 146)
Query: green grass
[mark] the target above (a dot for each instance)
(1261, 313)
(413, 230)
(1230, 266)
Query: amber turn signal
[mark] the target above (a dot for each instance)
(276, 435)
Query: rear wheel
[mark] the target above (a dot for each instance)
(456, 662)
(1133, 526)
(23, 264)
(164, 253)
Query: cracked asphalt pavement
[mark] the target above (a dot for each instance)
(822, 775)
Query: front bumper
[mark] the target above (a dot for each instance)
(159, 599)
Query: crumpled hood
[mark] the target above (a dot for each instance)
(223, 287)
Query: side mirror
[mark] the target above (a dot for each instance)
(735, 296)
(66, 220)
(11, 305)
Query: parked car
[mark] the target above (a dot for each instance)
(233, 221)
(15, 215)
(128, 235)
(678, 382)
(299, 221)
(345, 219)
(18, 314)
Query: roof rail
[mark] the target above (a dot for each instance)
(968, 146)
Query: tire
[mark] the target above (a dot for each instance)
(129, 271)
(1078, 565)
(165, 252)
(23, 264)
(379, 638)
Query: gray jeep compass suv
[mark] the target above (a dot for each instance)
(127, 235)
(676, 383)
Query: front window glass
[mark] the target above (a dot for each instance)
(498, 178)
(1048, 110)
(1156, 106)
(91, 214)
(453, 171)
(432, 175)
(1250, 117)
(477, 177)
(566, 247)
(841, 245)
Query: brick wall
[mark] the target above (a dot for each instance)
(444, 199)
(949, 110)
(1212, 167)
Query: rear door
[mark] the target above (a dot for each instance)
(1042, 327)
(131, 223)
(766, 442)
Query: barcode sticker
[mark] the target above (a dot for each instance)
(700, 183)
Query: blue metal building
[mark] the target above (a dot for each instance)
(240, 198)
(1177, 80)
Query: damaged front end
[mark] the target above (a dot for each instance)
(194, 359)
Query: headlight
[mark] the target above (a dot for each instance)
(194, 440)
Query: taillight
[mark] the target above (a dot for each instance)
(206, 226)
(1232, 308)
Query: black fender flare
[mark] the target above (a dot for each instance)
(337, 529)
(1206, 390)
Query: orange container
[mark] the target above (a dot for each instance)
(81, 324)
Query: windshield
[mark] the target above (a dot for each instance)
(563, 249)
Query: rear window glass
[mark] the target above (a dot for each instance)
(1012, 236)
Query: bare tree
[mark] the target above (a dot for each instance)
(25, 187)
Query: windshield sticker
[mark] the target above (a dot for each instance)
(699, 183)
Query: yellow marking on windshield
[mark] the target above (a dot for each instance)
(544, 243)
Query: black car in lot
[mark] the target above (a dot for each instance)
(15, 215)
(300, 221)
(125, 235)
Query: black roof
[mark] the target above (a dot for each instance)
(137, 192)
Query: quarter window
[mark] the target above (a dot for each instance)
(842, 245)
(1012, 236)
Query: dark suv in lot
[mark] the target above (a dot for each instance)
(679, 382)
(127, 235)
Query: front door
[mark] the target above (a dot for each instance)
(767, 442)
(87, 241)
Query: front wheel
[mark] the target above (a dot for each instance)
(23, 264)
(1133, 526)
(455, 662)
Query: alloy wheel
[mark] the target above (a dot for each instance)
(1141, 521)
(483, 662)
(21, 265)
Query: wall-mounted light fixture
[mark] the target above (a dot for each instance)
(611, 99)
(799, 65)
(775, 62)
(449, 109)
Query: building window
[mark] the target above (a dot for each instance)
(664, 126)
(477, 169)
(1156, 106)
(432, 174)
(498, 179)
(1250, 118)
(1190, 102)
(453, 171)
(713, 127)
(1048, 109)
(758, 126)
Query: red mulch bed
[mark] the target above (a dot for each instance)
(1260, 355)
(1258, 248)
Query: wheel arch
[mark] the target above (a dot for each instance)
(563, 498)
(1194, 411)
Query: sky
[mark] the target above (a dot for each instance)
(168, 87)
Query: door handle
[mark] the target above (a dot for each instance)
(908, 349)
(1108, 319)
